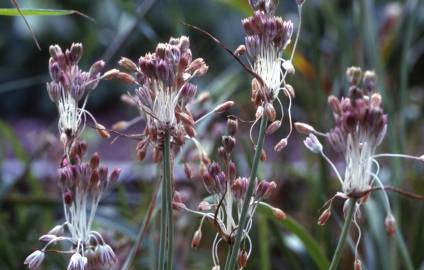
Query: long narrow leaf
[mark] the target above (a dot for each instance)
(313, 248)
(39, 12)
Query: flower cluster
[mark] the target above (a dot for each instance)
(267, 36)
(360, 127)
(228, 192)
(68, 87)
(164, 92)
(82, 185)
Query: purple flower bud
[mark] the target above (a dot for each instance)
(264, 189)
(68, 198)
(35, 259)
(184, 43)
(106, 255)
(239, 187)
(163, 72)
(55, 51)
(252, 45)
(232, 168)
(221, 182)
(75, 53)
(53, 89)
(114, 175)
(313, 144)
(160, 50)
(188, 91)
(54, 70)
(103, 172)
(214, 169)
(77, 262)
(228, 142)
(95, 161)
(96, 68)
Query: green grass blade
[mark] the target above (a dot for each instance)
(36, 12)
(313, 248)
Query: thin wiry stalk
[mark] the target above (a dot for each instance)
(141, 233)
(168, 194)
(243, 217)
(343, 236)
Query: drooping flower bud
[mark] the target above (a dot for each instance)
(304, 128)
(390, 225)
(357, 265)
(197, 237)
(324, 217)
(280, 145)
(313, 144)
(242, 259)
(278, 213)
(273, 127)
(35, 259)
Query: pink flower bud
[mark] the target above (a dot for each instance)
(303, 128)
(224, 106)
(197, 237)
(324, 217)
(270, 111)
(390, 225)
(357, 265)
(280, 145)
(273, 127)
(242, 258)
(278, 213)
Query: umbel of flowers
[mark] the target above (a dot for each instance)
(228, 193)
(164, 91)
(82, 185)
(267, 36)
(71, 86)
(360, 127)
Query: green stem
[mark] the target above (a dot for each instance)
(168, 193)
(249, 193)
(409, 265)
(343, 236)
(163, 222)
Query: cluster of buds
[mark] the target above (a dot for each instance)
(360, 126)
(267, 36)
(82, 185)
(69, 86)
(164, 91)
(228, 192)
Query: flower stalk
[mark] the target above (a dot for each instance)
(167, 188)
(166, 222)
(243, 217)
(343, 236)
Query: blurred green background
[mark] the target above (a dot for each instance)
(387, 36)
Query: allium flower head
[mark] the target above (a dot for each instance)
(228, 192)
(360, 127)
(165, 90)
(267, 36)
(82, 185)
(70, 86)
